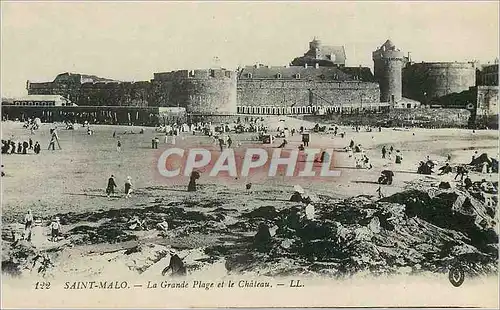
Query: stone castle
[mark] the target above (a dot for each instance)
(317, 82)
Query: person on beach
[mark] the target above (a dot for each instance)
(110, 189)
(445, 169)
(28, 223)
(25, 147)
(351, 144)
(37, 148)
(384, 151)
(221, 144)
(118, 146)
(176, 265)
(283, 144)
(467, 182)
(350, 152)
(461, 171)
(399, 157)
(54, 229)
(128, 187)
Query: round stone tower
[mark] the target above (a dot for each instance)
(388, 64)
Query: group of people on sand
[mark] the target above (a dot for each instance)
(387, 154)
(110, 188)
(11, 147)
(29, 222)
(356, 152)
(222, 141)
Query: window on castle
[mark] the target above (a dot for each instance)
(278, 76)
(191, 73)
(297, 76)
(249, 75)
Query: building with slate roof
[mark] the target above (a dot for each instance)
(324, 55)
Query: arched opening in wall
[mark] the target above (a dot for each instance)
(258, 110)
(274, 111)
(308, 110)
(238, 110)
(253, 110)
(302, 110)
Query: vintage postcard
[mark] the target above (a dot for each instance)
(249, 154)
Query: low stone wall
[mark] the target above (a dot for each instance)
(421, 117)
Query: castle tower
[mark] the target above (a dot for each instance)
(388, 64)
(314, 47)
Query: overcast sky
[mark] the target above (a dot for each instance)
(132, 40)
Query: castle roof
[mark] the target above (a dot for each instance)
(310, 73)
(82, 78)
(388, 44)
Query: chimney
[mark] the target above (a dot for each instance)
(316, 65)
